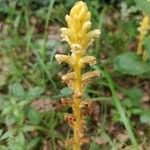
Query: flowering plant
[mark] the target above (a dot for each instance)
(79, 37)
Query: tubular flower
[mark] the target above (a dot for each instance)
(79, 37)
(143, 30)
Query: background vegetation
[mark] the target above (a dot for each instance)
(31, 114)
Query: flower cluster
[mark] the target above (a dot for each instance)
(143, 29)
(77, 34)
(79, 37)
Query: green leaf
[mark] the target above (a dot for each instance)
(94, 146)
(145, 117)
(1, 132)
(10, 120)
(130, 63)
(66, 91)
(28, 128)
(35, 92)
(143, 5)
(8, 134)
(7, 110)
(2, 147)
(136, 111)
(134, 95)
(147, 45)
(17, 90)
(33, 115)
(16, 112)
(20, 138)
(33, 143)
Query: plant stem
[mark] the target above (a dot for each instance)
(77, 125)
(76, 103)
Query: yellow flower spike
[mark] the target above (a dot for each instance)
(78, 35)
(143, 30)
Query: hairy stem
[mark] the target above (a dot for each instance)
(76, 104)
(77, 125)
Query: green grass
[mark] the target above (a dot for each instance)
(29, 72)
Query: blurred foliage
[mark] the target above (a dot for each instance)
(29, 40)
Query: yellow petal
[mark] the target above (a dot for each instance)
(64, 58)
(68, 20)
(69, 79)
(76, 8)
(86, 26)
(95, 33)
(87, 76)
(68, 76)
(87, 60)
